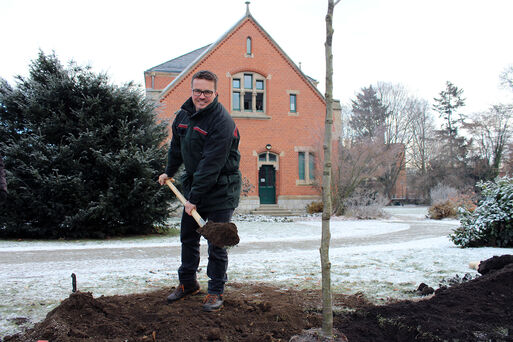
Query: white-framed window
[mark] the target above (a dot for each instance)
(268, 158)
(248, 93)
(236, 94)
(293, 102)
(305, 166)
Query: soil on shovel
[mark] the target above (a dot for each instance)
(220, 234)
(478, 310)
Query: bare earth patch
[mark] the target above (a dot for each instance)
(478, 310)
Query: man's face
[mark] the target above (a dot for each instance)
(202, 100)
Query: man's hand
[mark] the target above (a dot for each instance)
(162, 178)
(189, 207)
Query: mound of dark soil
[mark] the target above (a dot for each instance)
(494, 263)
(220, 234)
(478, 310)
(251, 313)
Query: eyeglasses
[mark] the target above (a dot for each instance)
(198, 92)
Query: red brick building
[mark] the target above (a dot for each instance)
(277, 108)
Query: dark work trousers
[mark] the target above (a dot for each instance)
(217, 257)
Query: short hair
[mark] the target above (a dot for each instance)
(205, 75)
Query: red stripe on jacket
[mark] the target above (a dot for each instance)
(196, 128)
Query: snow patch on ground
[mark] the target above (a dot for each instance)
(250, 232)
(385, 258)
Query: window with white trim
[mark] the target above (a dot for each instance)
(268, 157)
(293, 105)
(248, 93)
(306, 167)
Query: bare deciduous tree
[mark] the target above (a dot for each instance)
(421, 147)
(359, 162)
(492, 132)
(398, 131)
(422, 134)
(397, 100)
(506, 77)
(327, 309)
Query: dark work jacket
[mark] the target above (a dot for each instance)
(207, 143)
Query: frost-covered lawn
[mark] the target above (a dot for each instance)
(381, 258)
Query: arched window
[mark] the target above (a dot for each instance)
(268, 158)
(249, 47)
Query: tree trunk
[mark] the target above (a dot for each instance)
(327, 310)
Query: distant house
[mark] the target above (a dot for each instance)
(277, 108)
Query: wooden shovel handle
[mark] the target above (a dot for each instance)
(182, 199)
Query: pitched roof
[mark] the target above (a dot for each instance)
(204, 51)
(178, 64)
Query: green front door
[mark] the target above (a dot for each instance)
(267, 184)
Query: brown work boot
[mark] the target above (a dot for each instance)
(213, 302)
(182, 291)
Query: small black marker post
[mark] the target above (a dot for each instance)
(73, 283)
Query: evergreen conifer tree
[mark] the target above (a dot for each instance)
(450, 165)
(369, 115)
(82, 155)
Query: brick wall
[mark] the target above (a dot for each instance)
(286, 132)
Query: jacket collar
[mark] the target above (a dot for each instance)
(189, 107)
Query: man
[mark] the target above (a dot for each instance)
(206, 140)
(3, 183)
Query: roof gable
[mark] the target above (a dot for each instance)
(207, 50)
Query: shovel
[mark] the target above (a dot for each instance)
(219, 234)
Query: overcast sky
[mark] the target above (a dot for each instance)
(420, 44)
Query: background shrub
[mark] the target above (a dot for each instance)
(441, 193)
(315, 207)
(442, 210)
(465, 200)
(491, 223)
(446, 201)
(365, 204)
